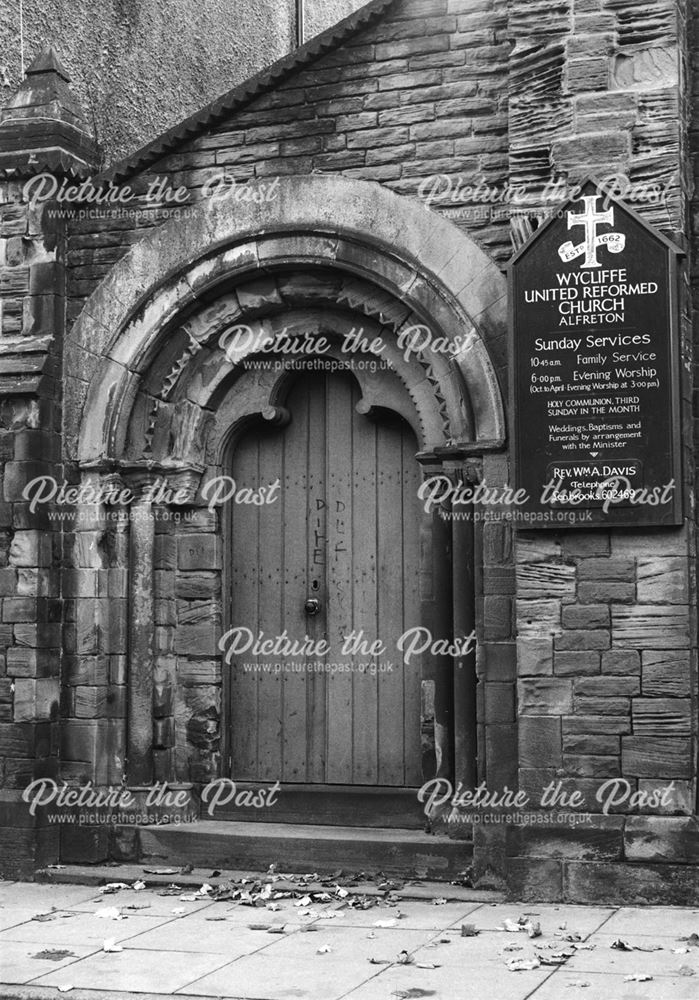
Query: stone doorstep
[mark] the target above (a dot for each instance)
(96, 875)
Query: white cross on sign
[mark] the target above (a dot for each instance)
(590, 219)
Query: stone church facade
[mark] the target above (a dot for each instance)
(367, 190)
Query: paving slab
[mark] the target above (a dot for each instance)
(43, 897)
(257, 978)
(148, 901)
(19, 962)
(486, 982)
(604, 957)
(221, 937)
(67, 927)
(610, 986)
(653, 920)
(13, 915)
(552, 917)
(349, 943)
(135, 971)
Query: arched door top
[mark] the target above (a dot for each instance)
(399, 253)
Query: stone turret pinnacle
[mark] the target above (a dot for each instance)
(43, 127)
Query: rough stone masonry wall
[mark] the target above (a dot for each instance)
(30, 612)
(606, 620)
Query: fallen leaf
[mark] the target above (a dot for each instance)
(440, 901)
(112, 887)
(513, 947)
(620, 945)
(259, 927)
(54, 954)
(638, 977)
(42, 917)
(413, 993)
(385, 923)
(523, 964)
(379, 961)
(404, 958)
(324, 949)
(65, 989)
(680, 951)
(162, 871)
(110, 913)
(138, 885)
(189, 898)
(427, 965)
(582, 983)
(469, 930)
(111, 945)
(179, 909)
(511, 926)
(685, 970)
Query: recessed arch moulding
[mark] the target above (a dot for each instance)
(159, 377)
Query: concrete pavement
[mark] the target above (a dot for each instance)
(52, 940)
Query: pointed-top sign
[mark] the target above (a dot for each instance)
(595, 399)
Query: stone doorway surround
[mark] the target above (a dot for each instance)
(151, 394)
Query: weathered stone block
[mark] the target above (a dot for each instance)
(499, 703)
(534, 656)
(607, 687)
(35, 700)
(656, 757)
(621, 570)
(618, 884)
(675, 797)
(545, 579)
(539, 741)
(601, 839)
(592, 766)
(651, 626)
(585, 544)
(606, 590)
(538, 618)
(662, 839)
(596, 724)
(529, 879)
(581, 639)
(576, 663)
(609, 746)
(662, 716)
(588, 616)
(602, 706)
(662, 580)
(666, 672)
(589, 74)
(198, 552)
(545, 696)
(498, 661)
(497, 615)
(621, 661)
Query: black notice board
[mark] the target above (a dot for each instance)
(595, 370)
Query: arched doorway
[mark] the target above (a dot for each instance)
(168, 395)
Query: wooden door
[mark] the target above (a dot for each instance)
(344, 532)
